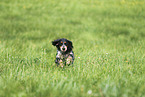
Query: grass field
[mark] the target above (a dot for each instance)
(109, 46)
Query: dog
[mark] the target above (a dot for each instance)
(65, 55)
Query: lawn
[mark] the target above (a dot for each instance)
(109, 45)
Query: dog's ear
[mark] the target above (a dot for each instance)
(70, 43)
(55, 42)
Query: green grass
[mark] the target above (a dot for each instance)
(109, 45)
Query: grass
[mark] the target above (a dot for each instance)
(109, 45)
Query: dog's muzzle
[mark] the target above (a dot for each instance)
(63, 48)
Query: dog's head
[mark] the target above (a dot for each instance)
(63, 45)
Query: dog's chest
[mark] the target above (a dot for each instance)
(62, 56)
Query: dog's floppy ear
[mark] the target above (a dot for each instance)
(55, 42)
(70, 43)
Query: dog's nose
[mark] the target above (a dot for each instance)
(63, 48)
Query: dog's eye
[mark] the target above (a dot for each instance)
(65, 43)
(61, 43)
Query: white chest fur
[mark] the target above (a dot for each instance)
(62, 56)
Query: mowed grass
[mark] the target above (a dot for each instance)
(109, 45)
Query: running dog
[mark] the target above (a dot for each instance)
(65, 55)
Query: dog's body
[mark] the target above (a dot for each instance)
(65, 55)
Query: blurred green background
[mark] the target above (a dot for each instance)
(108, 38)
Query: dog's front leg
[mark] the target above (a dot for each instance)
(69, 60)
(57, 61)
(61, 64)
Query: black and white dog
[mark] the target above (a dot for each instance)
(65, 55)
